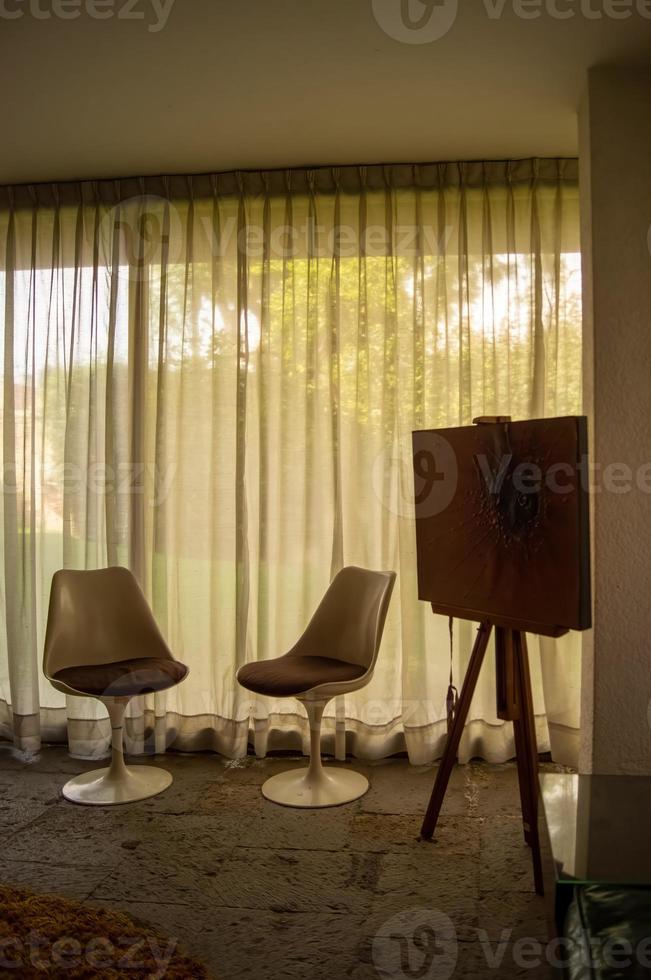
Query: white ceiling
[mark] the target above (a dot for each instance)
(229, 84)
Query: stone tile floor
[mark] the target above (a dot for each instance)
(260, 891)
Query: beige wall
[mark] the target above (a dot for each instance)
(615, 154)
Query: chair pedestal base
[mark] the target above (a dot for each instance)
(102, 787)
(304, 788)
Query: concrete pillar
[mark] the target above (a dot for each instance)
(615, 173)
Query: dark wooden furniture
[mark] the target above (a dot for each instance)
(594, 830)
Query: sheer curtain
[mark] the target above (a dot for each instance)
(214, 379)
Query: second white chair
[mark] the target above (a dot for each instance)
(335, 655)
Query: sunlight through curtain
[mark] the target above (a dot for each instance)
(213, 380)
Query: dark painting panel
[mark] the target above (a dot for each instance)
(502, 523)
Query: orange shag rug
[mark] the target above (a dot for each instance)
(50, 936)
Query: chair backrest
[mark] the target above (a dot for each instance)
(349, 620)
(98, 617)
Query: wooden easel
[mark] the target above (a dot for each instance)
(514, 700)
(514, 703)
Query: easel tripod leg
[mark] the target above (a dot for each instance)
(509, 708)
(527, 756)
(523, 779)
(454, 737)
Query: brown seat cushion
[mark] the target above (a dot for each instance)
(125, 679)
(293, 674)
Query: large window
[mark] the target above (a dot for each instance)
(214, 381)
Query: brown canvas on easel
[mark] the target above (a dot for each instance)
(502, 537)
(516, 555)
